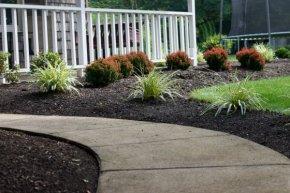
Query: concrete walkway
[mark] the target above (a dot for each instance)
(141, 157)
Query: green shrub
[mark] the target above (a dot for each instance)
(155, 86)
(3, 62)
(12, 75)
(250, 59)
(126, 67)
(217, 59)
(266, 51)
(237, 96)
(42, 59)
(212, 42)
(160, 64)
(200, 57)
(141, 62)
(178, 60)
(102, 72)
(282, 53)
(55, 78)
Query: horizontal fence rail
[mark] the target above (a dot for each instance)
(82, 35)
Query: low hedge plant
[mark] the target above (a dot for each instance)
(141, 62)
(251, 59)
(217, 59)
(178, 60)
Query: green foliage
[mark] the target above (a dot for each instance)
(266, 51)
(200, 57)
(274, 90)
(212, 42)
(102, 72)
(3, 62)
(282, 53)
(55, 77)
(141, 62)
(155, 86)
(42, 59)
(12, 75)
(160, 64)
(237, 96)
(178, 60)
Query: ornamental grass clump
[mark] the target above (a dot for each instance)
(155, 86)
(217, 59)
(55, 78)
(266, 51)
(141, 62)
(126, 67)
(43, 58)
(251, 59)
(237, 96)
(178, 60)
(102, 72)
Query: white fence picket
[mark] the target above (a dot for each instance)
(91, 37)
(73, 40)
(120, 30)
(35, 32)
(54, 32)
(141, 33)
(25, 40)
(128, 42)
(15, 37)
(4, 30)
(44, 31)
(113, 34)
(63, 37)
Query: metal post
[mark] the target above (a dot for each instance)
(192, 29)
(269, 22)
(221, 18)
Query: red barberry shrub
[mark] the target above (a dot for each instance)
(178, 60)
(250, 59)
(102, 72)
(217, 59)
(141, 62)
(126, 67)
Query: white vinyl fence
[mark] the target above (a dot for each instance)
(82, 35)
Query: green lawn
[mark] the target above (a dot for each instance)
(232, 58)
(275, 91)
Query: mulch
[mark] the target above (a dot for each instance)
(36, 164)
(266, 128)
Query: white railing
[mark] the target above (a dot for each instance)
(82, 35)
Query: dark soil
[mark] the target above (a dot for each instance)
(265, 128)
(32, 164)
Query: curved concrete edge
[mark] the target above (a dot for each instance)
(142, 157)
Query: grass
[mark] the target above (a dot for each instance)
(275, 91)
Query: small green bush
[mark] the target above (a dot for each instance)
(3, 62)
(102, 72)
(155, 86)
(42, 59)
(141, 62)
(217, 59)
(250, 59)
(126, 67)
(282, 53)
(266, 51)
(237, 95)
(178, 60)
(200, 57)
(212, 42)
(55, 78)
(12, 75)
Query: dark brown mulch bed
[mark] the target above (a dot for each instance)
(265, 128)
(32, 164)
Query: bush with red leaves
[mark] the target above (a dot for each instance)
(126, 67)
(141, 62)
(102, 72)
(217, 59)
(178, 60)
(250, 59)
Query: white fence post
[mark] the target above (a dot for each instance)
(192, 30)
(82, 36)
